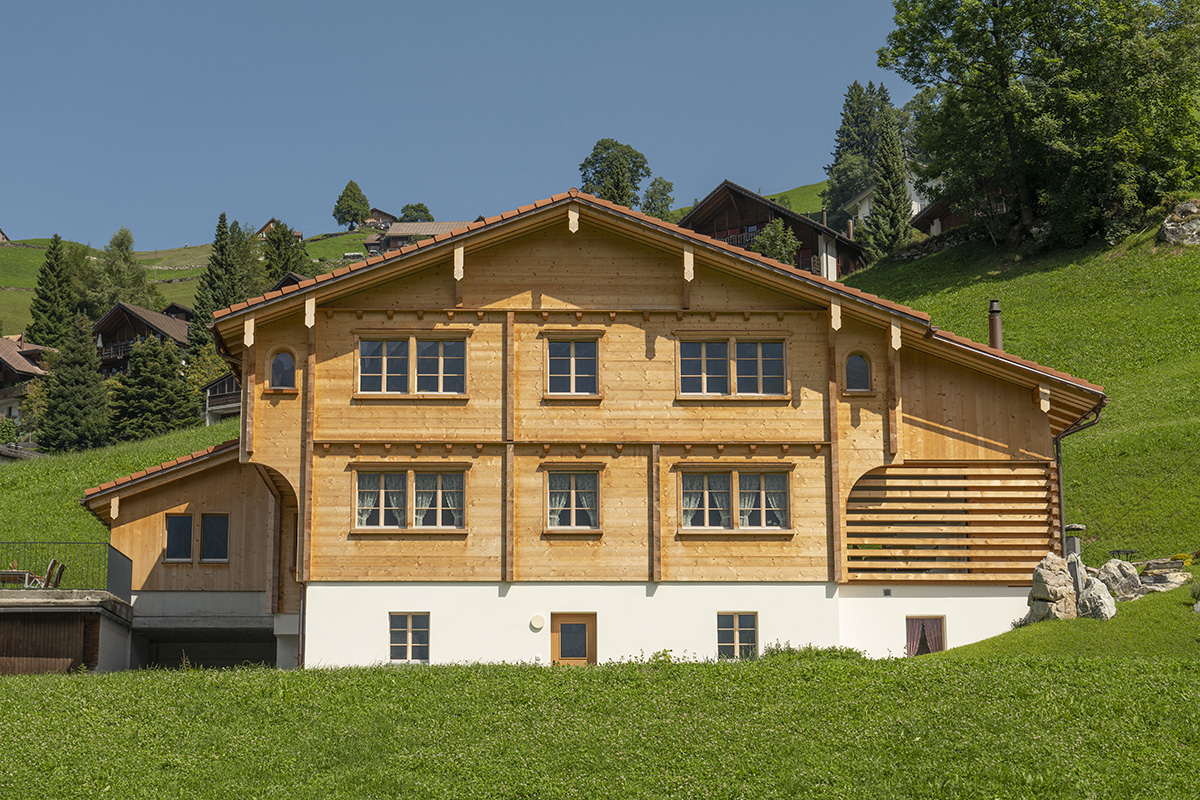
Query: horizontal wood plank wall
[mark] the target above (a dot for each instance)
(637, 381)
(426, 288)
(950, 522)
(616, 551)
(952, 412)
(798, 555)
(140, 530)
(473, 553)
(278, 418)
(40, 643)
(554, 268)
(714, 289)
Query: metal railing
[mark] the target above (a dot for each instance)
(114, 351)
(89, 565)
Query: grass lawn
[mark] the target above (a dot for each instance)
(195, 255)
(803, 199)
(330, 247)
(41, 496)
(916, 728)
(1124, 318)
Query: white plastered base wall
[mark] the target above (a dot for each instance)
(346, 624)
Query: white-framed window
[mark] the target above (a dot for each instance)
(402, 499)
(572, 366)
(438, 500)
(762, 499)
(573, 499)
(412, 365)
(737, 635)
(408, 638)
(757, 367)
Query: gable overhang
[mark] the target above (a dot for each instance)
(99, 500)
(1069, 396)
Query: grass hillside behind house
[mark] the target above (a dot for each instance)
(331, 246)
(802, 199)
(39, 497)
(794, 728)
(1125, 318)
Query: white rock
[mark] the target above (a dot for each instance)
(1095, 602)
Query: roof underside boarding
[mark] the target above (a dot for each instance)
(1072, 397)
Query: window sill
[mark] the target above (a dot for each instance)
(407, 532)
(776, 533)
(217, 561)
(278, 390)
(859, 393)
(573, 533)
(418, 396)
(680, 397)
(588, 399)
(177, 561)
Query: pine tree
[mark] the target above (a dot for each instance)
(776, 240)
(282, 253)
(854, 151)
(122, 278)
(51, 307)
(888, 226)
(76, 415)
(218, 288)
(151, 398)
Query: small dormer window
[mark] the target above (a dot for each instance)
(283, 371)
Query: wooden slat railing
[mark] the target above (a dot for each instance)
(935, 522)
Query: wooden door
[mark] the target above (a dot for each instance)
(573, 639)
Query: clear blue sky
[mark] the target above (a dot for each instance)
(159, 116)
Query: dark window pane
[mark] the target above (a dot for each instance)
(283, 372)
(746, 622)
(399, 653)
(583, 519)
(179, 537)
(585, 384)
(724, 620)
(716, 351)
(772, 350)
(690, 349)
(585, 349)
(747, 350)
(690, 384)
(420, 621)
(585, 366)
(214, 537)
(858, 374)
(560, 350)
(420, 652)
(427, 349)
(370, 349)
(454, 349)
(773, 384)
(724, 635)
(724, 651)
(718, 383)
(427, 383)
(398, 349)
(397, 383)
(370, 366)
(370, 383)
(747, 384)
(560, 384)
(572, 641)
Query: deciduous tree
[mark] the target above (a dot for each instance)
(351, 207)
(614, 171)
(415, 212)
(76, 415)
(658, 200)
(777, 241)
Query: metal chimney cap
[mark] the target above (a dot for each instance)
(994, 307)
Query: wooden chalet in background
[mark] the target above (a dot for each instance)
(20, 362)
(573, 432)
(735, 215)
(126, 325)
(270, 224)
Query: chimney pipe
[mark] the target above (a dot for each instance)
(824, 219)
(850, 229)
(995, 328)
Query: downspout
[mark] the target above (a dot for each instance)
(303, 605)
(1078, 425)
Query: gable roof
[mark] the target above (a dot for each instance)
(18, 357)
(916, 326)
(177, 329)
(783, 211)
(422, 228)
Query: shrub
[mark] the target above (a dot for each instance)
(8, 430)
(786, 652)
(1186, 558)
(1196, 590)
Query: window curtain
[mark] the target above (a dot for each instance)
(776, 486)
(394, 484)
(585, 497)
(912, 635)
(423, 500)
(452, 499)
(718, 500)
(692, 490)
(933, 635)
(560, 497)
(368, 499)
(747, 498)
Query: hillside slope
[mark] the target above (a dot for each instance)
(1125, 318)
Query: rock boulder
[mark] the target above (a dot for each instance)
(1121, 578)
(1095, 601)
(1182, 226)
(1053, 593)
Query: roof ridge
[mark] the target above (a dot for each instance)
(178, 461)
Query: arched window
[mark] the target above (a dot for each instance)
(283, 371)
(858, 373)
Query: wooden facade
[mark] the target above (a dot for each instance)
(575, 268)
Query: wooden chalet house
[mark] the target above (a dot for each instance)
(574, 433)
(125, 325)
(20, 362)
(735, 215)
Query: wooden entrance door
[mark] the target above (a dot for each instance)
(573, 639)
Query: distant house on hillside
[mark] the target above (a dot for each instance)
(20, 362)
(378, 218)
(126, 325)
(222, 399)
(400, 234)
(859, 207)
(3, 237)
(735, 215)
(270, 225)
